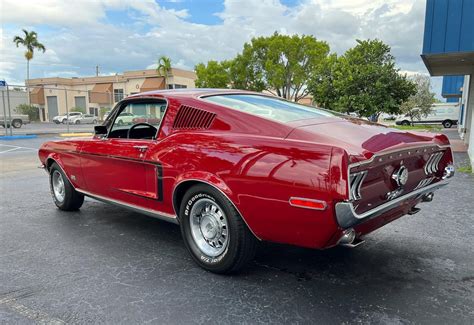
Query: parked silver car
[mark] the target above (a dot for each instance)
(64, 118)
(83, 119)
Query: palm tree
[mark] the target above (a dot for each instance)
(30, 41)
(164, 68)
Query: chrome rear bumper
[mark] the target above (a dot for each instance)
(347, 216)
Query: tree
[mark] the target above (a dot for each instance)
(164, 68)
(419, 104)
(280, 64)
(30, 110)
(213, 74)
(364, 80)
(30, 42)
(321, 86)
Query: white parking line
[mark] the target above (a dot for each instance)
(14, 148)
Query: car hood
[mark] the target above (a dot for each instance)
(361, 139)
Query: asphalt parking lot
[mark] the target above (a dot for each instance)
(107, 265)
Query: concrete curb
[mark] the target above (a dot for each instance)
(75, 134)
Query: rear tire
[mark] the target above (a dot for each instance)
(405, 122)
(17, 124)
(78, 122)
(447, 124)
(214, 233)
(64, 195)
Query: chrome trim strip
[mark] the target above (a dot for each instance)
(213, 186)
(348, 217)
(382, 153)
(307, 200)
(149, 212)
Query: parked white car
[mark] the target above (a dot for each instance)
(83, 119)
(63, 118)
(446, 114)
(125, 118)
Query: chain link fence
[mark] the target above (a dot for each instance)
(53, 109)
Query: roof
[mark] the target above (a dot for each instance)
(194, 92)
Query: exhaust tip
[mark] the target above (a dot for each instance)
(428, 197)
(348, 237)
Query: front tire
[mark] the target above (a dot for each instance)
(213, 231)
(405, 122)
(64, 195)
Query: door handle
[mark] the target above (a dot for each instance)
(141, 148)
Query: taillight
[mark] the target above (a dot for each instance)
(432, 164)
(356, 181)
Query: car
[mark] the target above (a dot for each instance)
(106, 114)
(125, 118)
(233, 168)
(145, 119)
(64, 118)
(446, 114)
(17, 120)
(83, 119)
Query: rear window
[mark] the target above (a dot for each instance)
(268, 107)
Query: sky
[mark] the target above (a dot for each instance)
(122, 35)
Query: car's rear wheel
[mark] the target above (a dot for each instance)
(214, 232)
(64, 195)
(94, 122)
(447, 124)
(405, 122)
(17, 124)
(78, 122)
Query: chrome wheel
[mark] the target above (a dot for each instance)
(209, 227)
(58, 186)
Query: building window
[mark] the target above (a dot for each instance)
(118, 95)
(177, 86)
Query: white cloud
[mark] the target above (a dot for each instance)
(83, 37)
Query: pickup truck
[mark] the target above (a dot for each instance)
(17, 120)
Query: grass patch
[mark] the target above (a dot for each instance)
(465, 169)
(418, 127)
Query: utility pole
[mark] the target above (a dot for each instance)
(96, 70)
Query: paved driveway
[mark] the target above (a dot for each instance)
(107, 265)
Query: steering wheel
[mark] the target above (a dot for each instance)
(140, 124)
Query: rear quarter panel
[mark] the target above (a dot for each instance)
(259, 175)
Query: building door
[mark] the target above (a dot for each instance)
(52, 102)
(80, 102)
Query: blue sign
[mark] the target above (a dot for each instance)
(3, 83)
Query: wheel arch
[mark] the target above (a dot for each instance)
(50, 160)
(183, 185)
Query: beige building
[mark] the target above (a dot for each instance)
(56, 95)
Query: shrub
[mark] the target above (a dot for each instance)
(30, 110)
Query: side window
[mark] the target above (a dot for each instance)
(138, 120)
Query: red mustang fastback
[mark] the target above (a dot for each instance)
(233, 168)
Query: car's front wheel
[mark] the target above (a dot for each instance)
(214, 232)
(64, 195)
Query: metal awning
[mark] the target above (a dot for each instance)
(154, 83)
(101, 94)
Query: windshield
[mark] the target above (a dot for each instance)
(268, 107)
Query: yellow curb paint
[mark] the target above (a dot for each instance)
(75, 134)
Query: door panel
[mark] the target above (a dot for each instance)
(114, 168)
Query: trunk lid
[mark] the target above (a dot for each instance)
(378, 156)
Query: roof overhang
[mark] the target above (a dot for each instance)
(457, 63)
